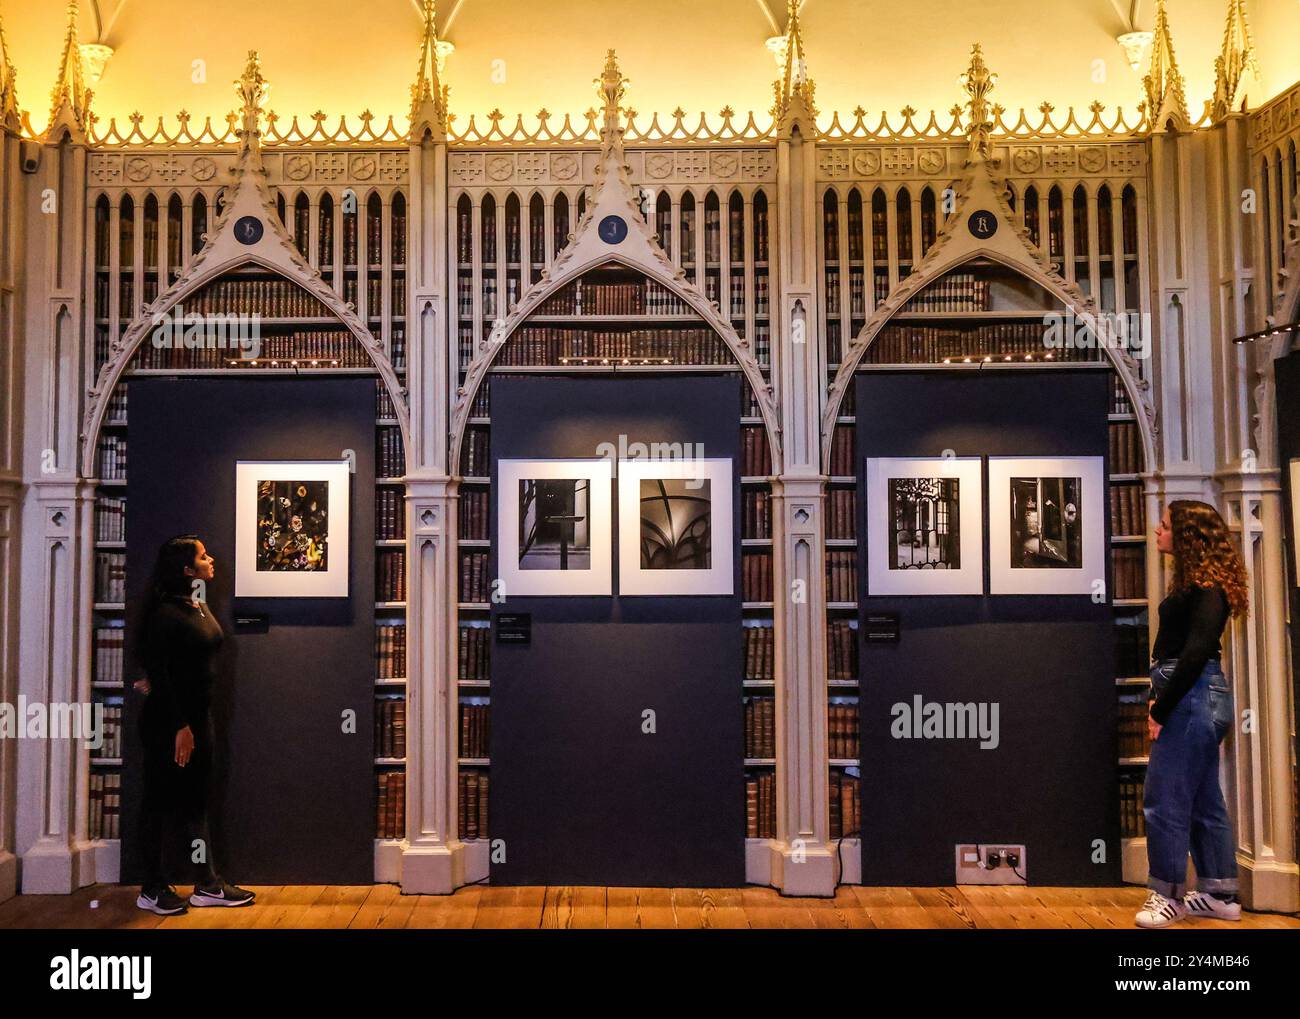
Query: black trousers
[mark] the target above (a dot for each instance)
(174, 803)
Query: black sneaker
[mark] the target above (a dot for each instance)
(220, 893)
(162, 900)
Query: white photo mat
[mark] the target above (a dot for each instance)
(719, 578)
(331, 582)
(597, 579)
(1005, 579)
(969, 577)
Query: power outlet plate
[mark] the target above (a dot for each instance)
(971, 868)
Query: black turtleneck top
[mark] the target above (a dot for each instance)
(180, 644)
(1191, 623)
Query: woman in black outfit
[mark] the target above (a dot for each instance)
(1190, 713)
(179, 641)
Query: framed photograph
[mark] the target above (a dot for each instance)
(1047, 532)
(1295, 517)
(925, 526)
(675, 527)
(291, 528)
(555, 527)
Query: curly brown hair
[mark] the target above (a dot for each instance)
(1203, 553)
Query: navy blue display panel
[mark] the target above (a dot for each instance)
(1047, 662)
(579, 793)
(294, 797)
(1287, 374)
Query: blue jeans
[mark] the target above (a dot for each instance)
(1182, 802)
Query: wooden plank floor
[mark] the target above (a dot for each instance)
(482, 906)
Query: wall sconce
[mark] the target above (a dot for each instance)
(1135, 44)
(776, 45)
(442, 50)
(94, 56)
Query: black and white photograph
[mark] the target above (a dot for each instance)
(1047, 527)
(924, 525)
(676, 530)
(555, 527)
(554, 524)
(291, 529)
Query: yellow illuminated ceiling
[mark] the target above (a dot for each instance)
(518, 56)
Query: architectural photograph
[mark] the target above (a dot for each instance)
(726, 466)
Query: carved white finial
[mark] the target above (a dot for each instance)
(1164, 83)
(794, 92)
(70, 98)
(978, 82)
(1235, 56)
(8, 85)
(428, 94)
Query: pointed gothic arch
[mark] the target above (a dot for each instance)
(564, 271)
(1016, 253)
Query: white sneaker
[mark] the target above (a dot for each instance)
(1205, 904)
(1158, 911)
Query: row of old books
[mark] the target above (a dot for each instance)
(482, 405)
(1134, 740)
(474, 730)
(105, 804)
(841, 513)
(1119, 401)
(557, 345)
(110, 577)
(842, 650)
(846, 805)
(103, 346)
(908, 344)
(1132, 822)
(842, 451)
(834, 350)
(957, 291)
(1130, 571)
(110, 518)
(763, 343)
(112, 457)
(474, 653)
(585, 297)
(755, 514)
(465, 346)
(390, 651)
(842, 575)
(1127, 510)
(375, 297)
(1125, 448)
(842, 730)
(756, 576)
(390, 514)
(475, 456)
(760, 806)
(472, 804)
(474, 514)
(758, 652)
(390, 805)
(390, 727)
(755, 453)
(384, 407)
(311, 348)
(110, 650)
(273, 298)
(1133, 646)
(760, 728)
(390, 575)
(474, 577)
(390, 458)
(111, 745)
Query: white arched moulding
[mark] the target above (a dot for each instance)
(246, 197)
(955, 245)
(638, 250)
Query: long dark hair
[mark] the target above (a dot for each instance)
(1203, 553)
(169, 579)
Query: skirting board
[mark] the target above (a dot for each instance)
(1134, 861)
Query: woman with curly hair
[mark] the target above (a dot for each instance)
(1190, 713)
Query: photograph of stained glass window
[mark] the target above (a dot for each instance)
(292, 526)
(926, 524)
(675, 524)
(1046, 526)
(554, 524)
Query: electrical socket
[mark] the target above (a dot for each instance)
(991, 863)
